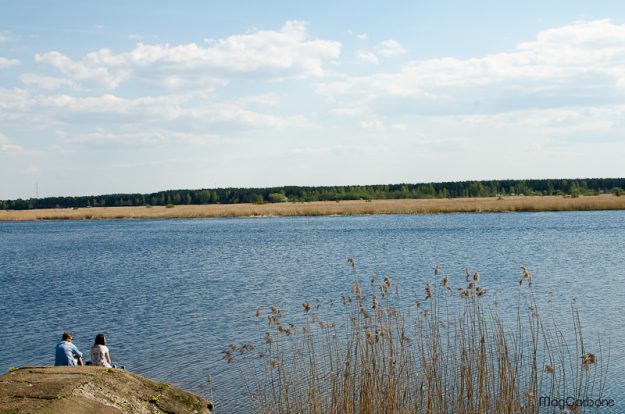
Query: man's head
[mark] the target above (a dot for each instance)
(67, 336)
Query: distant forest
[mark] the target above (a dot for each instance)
(570, 187)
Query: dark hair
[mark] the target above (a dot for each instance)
(100, 339)
(67, 336)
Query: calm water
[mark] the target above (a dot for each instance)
(170, 294)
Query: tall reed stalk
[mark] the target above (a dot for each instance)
(452, 352)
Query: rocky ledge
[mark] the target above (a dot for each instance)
(78, 390)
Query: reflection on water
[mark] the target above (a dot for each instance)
(170, 294)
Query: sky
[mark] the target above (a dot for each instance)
(143, 96)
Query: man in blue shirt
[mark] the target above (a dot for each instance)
(67, 353)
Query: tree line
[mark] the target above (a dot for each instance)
(490, 188)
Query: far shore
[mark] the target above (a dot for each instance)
(329, 208)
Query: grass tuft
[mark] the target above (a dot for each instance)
(450, 352)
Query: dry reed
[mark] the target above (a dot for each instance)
(452, 353)
(320, 208)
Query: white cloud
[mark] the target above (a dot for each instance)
(389, 48)
(184, 112)
(337, 150)
(238, 115)
(163, 106)
(348, 111)
(582, 64)
(139, 138)
(7, 63)
(14, 99)
(375, 125)
(7, 146)
(564, 124)
(151, 163)
(90, 72)
(399, 126)
(263, 54)
(45, 82)
(367, 57)
(360, 36)
(135, 37)
(264, 100)
(6, 37)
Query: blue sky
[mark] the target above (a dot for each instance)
(113, 97)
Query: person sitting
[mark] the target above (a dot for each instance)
(100, 353)
(66, 353)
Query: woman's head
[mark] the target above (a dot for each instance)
(100, 339)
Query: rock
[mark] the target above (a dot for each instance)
(93, 390)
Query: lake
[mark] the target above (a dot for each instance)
(171, 294)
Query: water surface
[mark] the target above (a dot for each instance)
(170, 294)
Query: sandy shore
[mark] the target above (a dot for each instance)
(325, 208)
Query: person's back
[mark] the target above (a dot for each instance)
(99, 352)
(98, 356)
(66, 353)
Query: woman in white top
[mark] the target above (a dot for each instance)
(100, 353)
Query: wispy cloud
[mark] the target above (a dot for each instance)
(367, 57)
(7, 63)
(376, 125)
(8, 147)
(45, 82)
(579, 64)
(337, 150)
(151, 137)
(264, 100)
(6, 37)
(360, 36)
(390, 48)
(560, 125)
(183, 116)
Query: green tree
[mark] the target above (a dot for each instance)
(203, 196)
(257, 199)
(276, 198)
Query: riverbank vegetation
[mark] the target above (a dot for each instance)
(444, 190)
(455, 349)
(327, 208)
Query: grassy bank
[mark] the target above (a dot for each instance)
(422, 206)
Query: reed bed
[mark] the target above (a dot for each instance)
(329, 208)
(450, 352)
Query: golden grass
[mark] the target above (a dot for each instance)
(450, 352)
(328, 208)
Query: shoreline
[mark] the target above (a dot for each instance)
(329, 208)
(77, 390)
